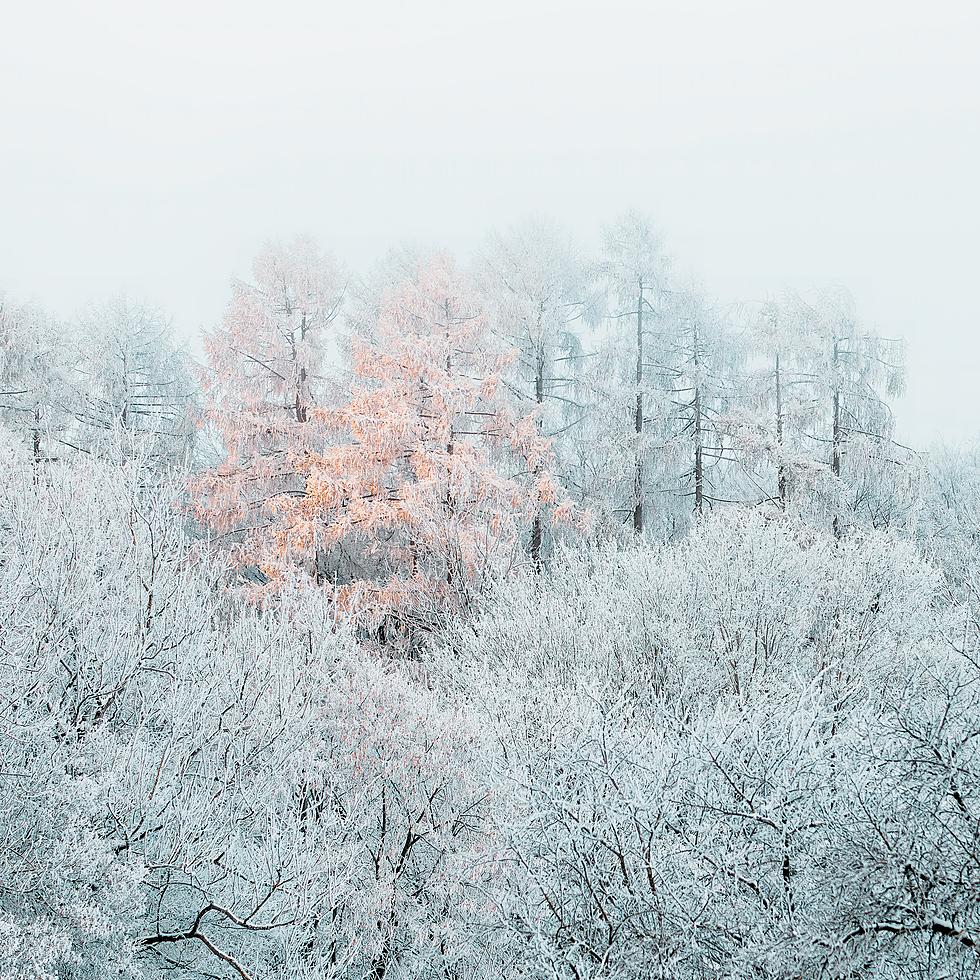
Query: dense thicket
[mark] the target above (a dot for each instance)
(542, 623)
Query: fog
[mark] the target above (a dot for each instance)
(502, 608)
(153, 147)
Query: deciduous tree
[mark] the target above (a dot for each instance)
(538, 290)
(265, 375)
(427, 482)
(635, 267)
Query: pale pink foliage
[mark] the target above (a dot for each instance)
(431, 476)
(263, 378)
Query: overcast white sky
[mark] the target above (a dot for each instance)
(153, 146)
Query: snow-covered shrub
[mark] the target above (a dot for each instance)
(749, 755)
(192, 785)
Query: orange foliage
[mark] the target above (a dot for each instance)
(401, 500)
(431, 478)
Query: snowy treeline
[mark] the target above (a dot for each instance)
(402, 437)
(529, 620)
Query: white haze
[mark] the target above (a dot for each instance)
(154, 146)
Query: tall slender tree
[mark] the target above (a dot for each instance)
(132, 388)
(538, 288)
(854, 372)
(780, 393)
(33, 370)
(634, 267)
(701, 365)
(265, 374)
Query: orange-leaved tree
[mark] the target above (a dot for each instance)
(263, 382)
(434, 473)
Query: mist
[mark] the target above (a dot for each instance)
(153, 148)
(489, 492)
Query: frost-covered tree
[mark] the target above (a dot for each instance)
(699, 367)
(750, 753)
(634, 267)
(433, 471)
(265, 374)
(194, 787)
(820, 426)
(33, 369)
(781, 414)
(747, 751)
(713, 767)
(538, 290)
(852, 372)
(131, 386)
(948, 522)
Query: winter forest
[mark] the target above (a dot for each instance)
(524, 615)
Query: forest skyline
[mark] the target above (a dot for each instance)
(156, 153)
(489, 491)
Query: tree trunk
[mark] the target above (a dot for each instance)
(451, 553)
(638, 488)
(302, 409)
(698, 429)
(836, 437)
(782, 482)
(36, 443)
(537, 529)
